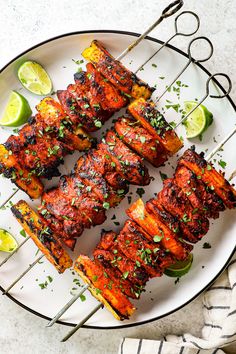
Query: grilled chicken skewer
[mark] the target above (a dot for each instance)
(43, 237)
(94, 177)
(170, 10)
(118, 245)
(127, 129)
(97, 92)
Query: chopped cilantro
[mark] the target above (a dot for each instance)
(140, 192)
(157, 238)
(106, 205)
(82, 297)
(206, 245)
(222, 163)
(163, 176)
(22, 232)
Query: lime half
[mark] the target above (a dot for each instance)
(7, 241)
(180, 268)
(35, 78)
(16, 112)
(198, 121)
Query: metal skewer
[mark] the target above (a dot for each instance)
(167, 12)
(207, 158)
(22, 274)
(211, 78)
(80, 324)
(12, 253)
(218, 147)
(191, 60)
(9, 198)
(67, 306)
(177, 33)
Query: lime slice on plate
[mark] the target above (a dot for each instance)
(180, 268)
(198, 121)
(35, 78)
(16, 112)
(7, 241)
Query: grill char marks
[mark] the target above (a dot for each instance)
(154, 122)
(92, 100)
(156, 229)
(103, 288)
(211, 178)
(134, 135)
(109, 248)
(201, 197)
(123, 79)
(193, 224)
(127, 163)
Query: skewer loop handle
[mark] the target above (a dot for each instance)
(177, 33)
(226, 93)
(172, 8)
(204, 59)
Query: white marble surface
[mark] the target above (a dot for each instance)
(25, 23)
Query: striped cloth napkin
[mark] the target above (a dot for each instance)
(219, 311)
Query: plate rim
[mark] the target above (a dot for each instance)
(153, 39)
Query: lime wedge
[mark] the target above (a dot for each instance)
(180, 268)
(16, 112)
(34, 78)
(7, 241)
(198, 121)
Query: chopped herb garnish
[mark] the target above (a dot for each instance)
(125, 274)
(82, 297)
(176, 281)
(98, 124)
(206, 245)
(106, 205)
(163, 176)
(222, 163)
(157, 238)
(142, 139)
(140, 192)
(22, 232)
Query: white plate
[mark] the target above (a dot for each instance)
(162, 295)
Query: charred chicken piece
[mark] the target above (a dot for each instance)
(38, 151)
(105, 94)
(193, 224)
(108, 246)
(115, 72)
(96, 162)
(92, 100)
(134, 244)
(212, 179)
(23, 178)
(140, 140)
(77, 116)
(202, 198)
(55, 121)
(103, 288)
(42, 143)
(96, 183)
(73, 206)
(154, 122)
(126, 162)
(115, 275)
(42, 236)
(157, 230)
